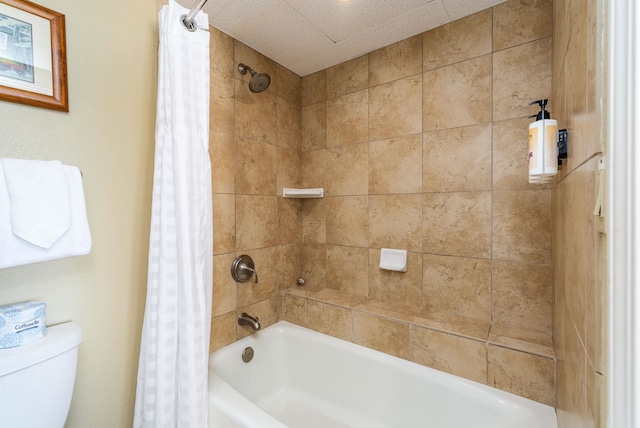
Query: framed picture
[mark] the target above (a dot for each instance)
(33, 55)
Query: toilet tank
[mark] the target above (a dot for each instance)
(36, 380)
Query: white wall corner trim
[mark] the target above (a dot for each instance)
(623, 219)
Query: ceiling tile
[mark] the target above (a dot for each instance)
(310, 35)
(211, 7)
(340, 20)
(460, 8)
(319, 61)
(415, 22)
(271, 27)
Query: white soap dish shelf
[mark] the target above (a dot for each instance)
(317, 192)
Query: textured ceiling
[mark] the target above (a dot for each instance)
(306, 36)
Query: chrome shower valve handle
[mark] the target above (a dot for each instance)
(252, 270)
(243, 268)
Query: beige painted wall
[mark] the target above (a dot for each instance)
(108, 133)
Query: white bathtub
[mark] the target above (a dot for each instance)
(303, 379)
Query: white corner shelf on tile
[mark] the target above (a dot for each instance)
(302, 193)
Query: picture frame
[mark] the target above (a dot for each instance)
(33, 55)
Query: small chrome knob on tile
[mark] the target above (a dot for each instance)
(242, 269)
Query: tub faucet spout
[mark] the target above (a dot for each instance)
(246, 319)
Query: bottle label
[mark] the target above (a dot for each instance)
(533, 148)
(550, 152)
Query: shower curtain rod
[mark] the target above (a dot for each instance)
(188, 20)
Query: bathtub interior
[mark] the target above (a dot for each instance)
(301, 378)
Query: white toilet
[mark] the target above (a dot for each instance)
(36, 380)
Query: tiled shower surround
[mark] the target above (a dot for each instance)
(421, 146)
(578, 245)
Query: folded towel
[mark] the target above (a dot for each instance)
(15, 251)
(39, 200)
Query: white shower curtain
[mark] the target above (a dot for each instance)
(172, 372)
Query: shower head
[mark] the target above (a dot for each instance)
(259, 81)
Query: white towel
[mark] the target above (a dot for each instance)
(15, 251)
(39, 200)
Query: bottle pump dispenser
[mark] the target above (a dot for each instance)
(543, 156)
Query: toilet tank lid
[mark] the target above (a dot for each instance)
(59, 339)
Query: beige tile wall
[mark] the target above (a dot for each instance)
(255, 147)
(578, 247)
(421, 145)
